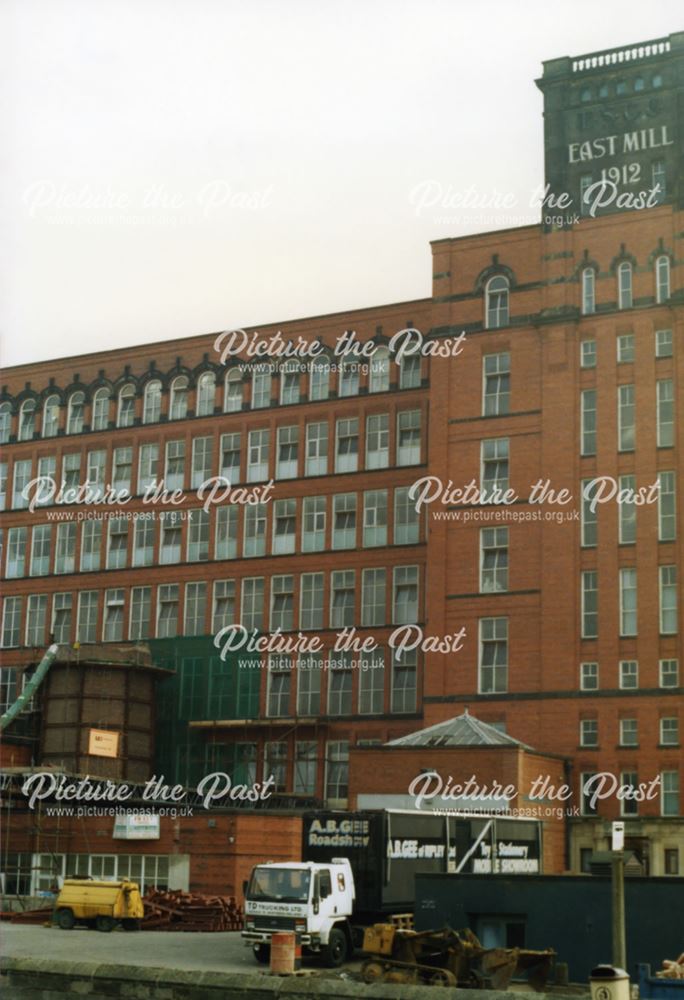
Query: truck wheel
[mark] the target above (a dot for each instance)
(66, 919)
(335, 953)
(262, 953)
(130, 924)
(104, 923)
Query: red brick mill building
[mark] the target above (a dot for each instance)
(565, 615)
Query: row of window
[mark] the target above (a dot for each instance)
(622, 87)
(627, 601)
(32, 874)
(337, 607)
(625, 344)
(628, 675)
(290, 459)
(627, 510)
(626, 417)
(624, 275)
(629, 805)
(344, 376)
(629, 732)
(322, 523)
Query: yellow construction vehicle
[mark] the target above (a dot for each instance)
(100, 904)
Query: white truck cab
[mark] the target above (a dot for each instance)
(313, 899)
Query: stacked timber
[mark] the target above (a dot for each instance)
(190, 911)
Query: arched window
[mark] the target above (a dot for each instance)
(585, 95)
(232, 391)
(289, 382)
(27, 420)
(319, 380)
(657, 81)
(206, 392)
(588, 291)
(124, 417)
(639, 83)
(379, 380)
(179, 398)
(625, 285)
(261, 386)
(662, 268)
(75, 413)
(5, 422)
(349, 377)
(603, 90)
(409, 376)
(496, 295)
(101, 409)
(50, 416)
(621, 88)
(152, 402)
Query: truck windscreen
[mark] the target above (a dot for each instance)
(285, 884)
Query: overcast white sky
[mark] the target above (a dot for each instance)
(173, 167)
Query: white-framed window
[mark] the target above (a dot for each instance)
(659, 179)
(627, 511)
(65, 548)
(143, 541)
(405, 604)
(3, 485)
(373, 596)
(122, 467)
(374, 518)
(377, 441)
(141, 605)
(11, 622)
(47, 469)
(225, 545)
(174, 472)
(496, 302)
(275, 764)
(117, 543)
(589, 600)
(257, 455)
(662, 276)
(198, 535)
(27, 420)
(494, 464)
(349, 371)
(665, 412)
(347, 445)
(669, 793)
(309, 673)
(91, 545)
(86, 625)
(170, 537)
(379, 377)
(624, 277)
(493, 560)
(587, 802)
(21, 479)
(372, 683)
(41, 538)
(496, 384)
(628, 601)
(232, 391)
(408, 437)
(313, 524)
(5, 422)
(305, 767)
(588, 291)
(311, 601)
(625, 348)
(588, 732)
(588, 422)
(667, 507)
(284, 526)
(337, 772)
(195, 608)
(629, 805)
(254, 542)
(167, 610)
(148, 466)
(223, 612)
(252, 604)
(51, 416)
(76, 412)
(71, 470)
(669, 731)
(61, 617)
(629, 732)
(663, 343)
(588, 354)
(178, 409)
(669, 673)
(261, 386)
(410, 371)
(282, 603)
(316, 449)
(36, 619)
(202, 457)
(101, 409)
(406, 518)
(588, 516)
(342, 598)
(586, 181)
(340, 682)
(288, 452)
(95, 471)
(113, 624)
(16, 553)
(230, 457)
(152, 401)
(493, 655)
(126, 407)
(626, 418)
(404, 682)
(589, 676)
(289, 382)
(206, 394)
(319, 379)
(278, 687)
(628, 675)
(667, 579)
(344, 521)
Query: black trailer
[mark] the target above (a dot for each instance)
(387, 848)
